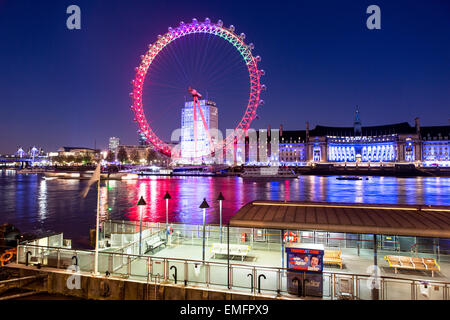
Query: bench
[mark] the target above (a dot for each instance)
(235, 249)
(413, 263)
(333, 257)
(154, 243)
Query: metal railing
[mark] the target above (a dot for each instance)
(233, 276)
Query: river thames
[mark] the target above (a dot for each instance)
(34, 204)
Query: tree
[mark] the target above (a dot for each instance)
(134, 156)
(79, 158)
(59, 159)
(87, 158)
(110, 156)
(122, 155)
(151, 155)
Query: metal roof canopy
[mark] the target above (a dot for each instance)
(386, 219)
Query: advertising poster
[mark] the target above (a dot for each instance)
(304, 259)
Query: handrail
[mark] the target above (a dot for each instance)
(234, 265)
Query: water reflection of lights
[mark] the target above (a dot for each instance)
(42, 199)
(359, 193)
(27, 199)
(104, 208)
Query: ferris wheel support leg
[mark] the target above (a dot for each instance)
(195, 126)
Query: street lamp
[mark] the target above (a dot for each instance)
(167, 197)
(203, 206)
(141, 203)
(220, 198)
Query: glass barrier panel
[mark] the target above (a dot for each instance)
(364, 292)
(119, 262)
(326, 287)
(21, 250)
(177, 267)
(218, 274)
(196, 273)
(65, 259)
(157, 267)
(241, 278)
(139, 266)
(397, 289)
(103, 262)
(283, 283)
(85, 261)
(430, 291)
(268, 279)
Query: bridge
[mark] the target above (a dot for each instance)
(15, 161)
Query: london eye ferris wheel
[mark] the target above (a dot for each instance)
(188, 32)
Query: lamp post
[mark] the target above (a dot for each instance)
(141, 203)
(167, 197)
(203, 206)
(220, 198)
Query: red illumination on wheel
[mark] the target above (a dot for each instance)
(181, 31)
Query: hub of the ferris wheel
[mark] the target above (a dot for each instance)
(196, 95)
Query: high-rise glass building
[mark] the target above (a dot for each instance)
(114, 145)
(200, 154)
(142, 139)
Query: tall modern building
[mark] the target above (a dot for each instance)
(142, 139)
(200, 154)
(114, 145)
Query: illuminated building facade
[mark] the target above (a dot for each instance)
(400, 142)
(200, 153)
(436, 146)
(114, 145)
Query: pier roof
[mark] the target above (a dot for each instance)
(402, 220)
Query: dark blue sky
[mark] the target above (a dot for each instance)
(61, 87)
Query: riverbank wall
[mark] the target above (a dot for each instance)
(54, 281)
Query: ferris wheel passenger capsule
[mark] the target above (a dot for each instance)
(142, 57)
(194, 21)
(220, 23)
(263, 87)
(258, 58)
(149, 46)
(207, 20)
(232, 28)
(181, 23)
(136, 69)
(262, 72)
(170, 29)
(261, 102)
(159, 36)
(131, 94)
(242, 36)
(251, 46)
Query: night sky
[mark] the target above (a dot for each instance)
(61, 87)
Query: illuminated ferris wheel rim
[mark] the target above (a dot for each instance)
(181, 31)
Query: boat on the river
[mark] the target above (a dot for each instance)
(271, 173)
(349, 178)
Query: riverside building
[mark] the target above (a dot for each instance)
(390, 143)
